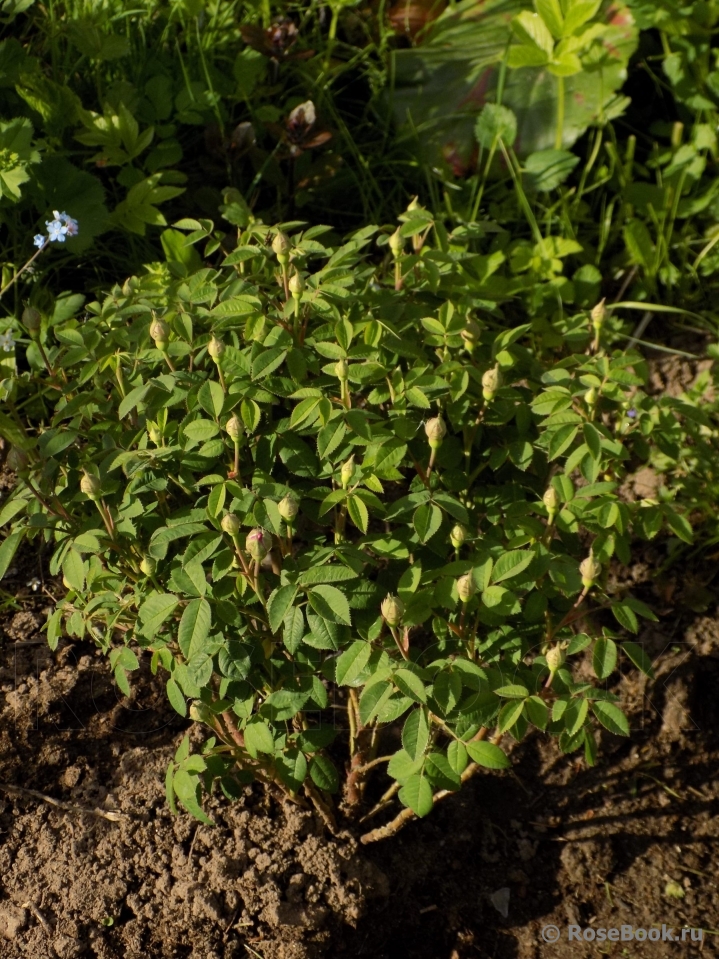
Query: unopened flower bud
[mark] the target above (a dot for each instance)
(148, 565)
(471, 335)
(17, 459)
(281, 247)
(491, 382)
(466, 587)
(342, 369)
(155, 433)
(392, 610)
(348, 472)
(234, 427)
(159, 331)
(32, 321)
(396, 243)
(590, 570)
(414, 205)
(215, 348)
(258, 544)
(200, 712)
(436, 431)
(551, 500)
(555, 657)
(599, 314)
(296, 285)
(230, 524)
(590, 397)
(90, 485)
(288, 508)
(458, 535)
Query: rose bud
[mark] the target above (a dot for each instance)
(342, 370)
(470, 335)
(392, 610)
(296, 285)
(281, 247)
(230, 524)
(457, 535)
(215, 348)
(258, 544)
(200, 713)
(90, 486)
(288, 508)
(348, 472)
(31, 321)
(436, 431)
(466, 587)
(396, 243)
(555, 658)
(148, 565)
(159, 331)
(551, 500)
(17, 459)
(155, 434)
(234, 427)
(590, 570)
(599, 314)
(491, 382)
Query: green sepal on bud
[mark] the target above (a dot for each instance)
(90, 485)
(392, 609)
(258, 544)
(491, 382)
(466, 588)
(148, 566)
(590, 571)
(396, 243)
(551, 501)
(281, 247)
(32, 321)
(458, 535)
(288, 508)
(215, 348)
(230, 524)
(296, 285)
(160, 332)
(436, 431)
(234, 428)
(17, 460)
(555, 657)
(348, 471)
(155, 433)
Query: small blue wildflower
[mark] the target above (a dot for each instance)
(55, 230)
(632, 414)
(39, 240)
(7, 342)
(71, 226)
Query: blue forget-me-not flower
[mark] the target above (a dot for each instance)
(57, 229)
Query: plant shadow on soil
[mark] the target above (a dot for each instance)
(568, 844)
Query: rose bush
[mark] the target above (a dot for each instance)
(356, 500)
